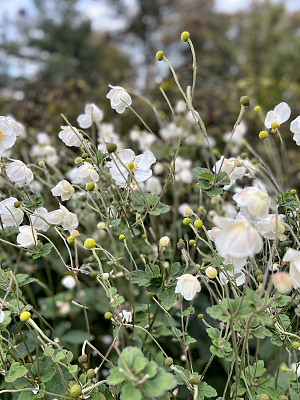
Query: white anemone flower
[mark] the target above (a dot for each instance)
(10, 215)
(92, 114)
(293, 256)
(63, 189)
(19, 173)
(188, 286)
(119, 98)
(87, 173)
(69, 282)
(139, 166)
(63, 217)
(153, 185)
(7, 135)
(235, 168)
(279, 115)
(38, 219)
(126, 316)
(183, 171)
(27, 236)
(237, 240)
(70, 136)
(253, 202)
(295, 128)
(271, 227)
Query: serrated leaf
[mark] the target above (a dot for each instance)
(115, 376)
(168, 297)
(16, 371)
(141, 278)
(205, 391)
(129, 392)
(43, 369)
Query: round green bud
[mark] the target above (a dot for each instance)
(24, 316)
(263, 397)
(160, 55)
(90, 373)
(211, 272)
(295, 345)
(192, 242)
(244, 156)
(111, 147)
(17, 204)
(256, 108)
(274, 125)
(284, 368)
(283, 397)
(198, 224)
(245, 101)
(78, 160)
(122, 237)
(41, 163)
(83, 358)
(200, 316)
(258, 272)
(194, 380)
(260, 278)
(108, 315)
(75, 391)
(89, 243)
(185, 36)
(263, 135)
(144, 235)
(168, 361)
(90, 186)
(93, 275)
(71, 239)
(181, 245)
(186, 221)
(292, 192)
(285, 243)
(84, 156)
(69, 297)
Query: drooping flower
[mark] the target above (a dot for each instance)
(283, 282)
(279, 115)
(126, 316)
(271, 226)
(63, 217)
(7, 135)
(188, 286)
(19, 173)
(63, 189)
(139, 166)
(295, 128)
(87, 173)
(38, 219)
(119, 98)
(293, 256)
(10, 215)
(164, 241)
(92, 114)
(70, 136)
(69, 282)
(254, 202)
(27, 236)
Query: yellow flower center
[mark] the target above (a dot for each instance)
(1, 135)
(132, 166)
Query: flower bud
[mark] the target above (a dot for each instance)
(200, 316)
(238, 163)
(164, 241)
(71, 239)
(274, 125)
(41, 163)
(292, 192)
(93, 275)
(108, 315)
(78, 160)
(198, 224)
(185, 36)
(245, 101)
(111, 147)
(24, 316)
(17, 204)
(188, 212)
(89, 243)
(166, 264)
(105, 276)
(244, 156)
(83, 358)
(284, 368)
(263, 135)
(194, 380)
(260, 278)
(84, 156)
(295, 345)
(211, 272)
(168, 361)
(90, 186)
(256, 108)
(263, 397)
(75, 391)
(160, 55)
(181, 245)
(122, 237)
(101, 225)
(69, 297)
(90, 373)
(186, 221)
(282, 282)
(192, 242)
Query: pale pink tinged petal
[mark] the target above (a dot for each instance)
(141, 176)
(270, 117)
(291, 255)
(295, 275)
(222, 222)
(295, 125)
(254, 241)
(282, 112)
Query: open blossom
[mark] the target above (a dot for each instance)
(63, 189)
(92, 114)
(235, 168)
(295, 128)
(188, 286)
(119, 98)
(63, 217)
(271, 226)
(70, 136)
(279, 115)
(27, 236)
(10, 215)
(253, 202)
(237, 240)
(139, 166)
(19, 173)
(7, 135)
(293, 256)
(38, 219)
(87, 173)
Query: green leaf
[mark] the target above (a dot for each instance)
(139, 364)
(160, 209)
(115, 222)
(168, 297)
(189, 311)
(6, 321)
(204, 185)
(158, 385)
(213, 333)
(204, 391)
(214, 191)
(43, 369)
(199, 171)
(46, 249)
(129, 355)
(16, 371)
(73, 369)
(142, 278)
(115, 376)
(75, 336)
(129, 392)
(151, 369)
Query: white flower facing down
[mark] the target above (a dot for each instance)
(126, 316)
(188, 286)
(295, 128)
(27, 236)
(87, 173)
(119, 98)
(69, 282)
(19, 173)
(279, 115)
(10, 215)
(270, 227)
(139, 166)
(70, 136)
(237, 240)
(7, 135)
(63, 217)
(92, 114)
(253, 202)
(38, 219)
(293, 256)
(63, 189)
